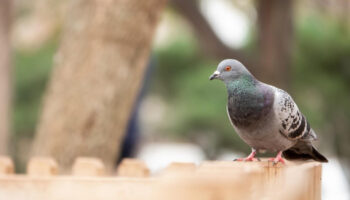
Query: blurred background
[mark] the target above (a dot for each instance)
(63, 92)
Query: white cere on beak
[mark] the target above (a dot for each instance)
(214, 75)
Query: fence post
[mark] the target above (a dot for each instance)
(6, 166)
(88, 167)
(42, 166)
(132, 168)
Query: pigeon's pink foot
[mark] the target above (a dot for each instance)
(245, 159)
(251, 157)
(277, 159)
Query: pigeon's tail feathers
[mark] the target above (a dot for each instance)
(296, 153)
(318, 156)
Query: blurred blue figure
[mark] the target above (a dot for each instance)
(132, 134)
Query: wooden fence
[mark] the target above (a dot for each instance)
(211, 180)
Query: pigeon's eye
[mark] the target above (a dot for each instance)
(227, 68)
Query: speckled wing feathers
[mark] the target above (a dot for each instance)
(293, 123)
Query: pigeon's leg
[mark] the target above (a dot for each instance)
(278, 158)
(251, 157)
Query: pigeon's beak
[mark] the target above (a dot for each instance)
(214, 75)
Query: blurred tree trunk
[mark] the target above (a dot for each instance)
(97, 75)
(275, 36)
(5, 74)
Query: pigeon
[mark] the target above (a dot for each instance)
(265, 117)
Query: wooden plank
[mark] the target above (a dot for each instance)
(133, 168)
(42, 166)
(6, 166)
(84, 166)
(210, 180)
(72, 187)
(179, 169)
(265, 176)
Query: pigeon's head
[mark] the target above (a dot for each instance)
(229, 70)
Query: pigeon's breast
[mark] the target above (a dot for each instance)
(246, 108)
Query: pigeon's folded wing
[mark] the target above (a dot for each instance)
(292, 122)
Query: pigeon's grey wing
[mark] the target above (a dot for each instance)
(292, 122)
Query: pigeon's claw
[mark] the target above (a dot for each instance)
(277, 159)
(246, 159)
(251, 157)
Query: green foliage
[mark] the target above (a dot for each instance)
(31, 72)
(174, 61)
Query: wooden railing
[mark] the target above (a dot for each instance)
(211, 180)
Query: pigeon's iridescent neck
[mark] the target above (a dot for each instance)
(243, 83)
